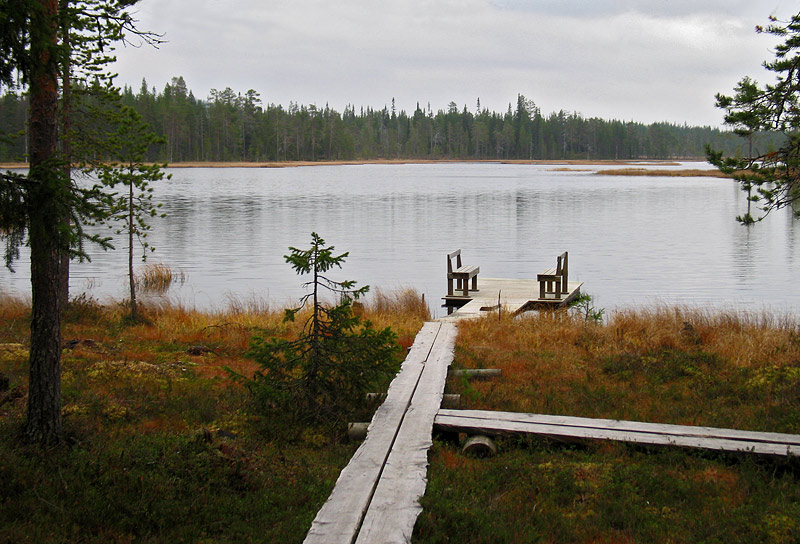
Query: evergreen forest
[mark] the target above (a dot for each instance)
(231, 126)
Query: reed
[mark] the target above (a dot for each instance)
(157, 278)
(407, 302)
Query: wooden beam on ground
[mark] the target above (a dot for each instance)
(565, 427)
(340, 518)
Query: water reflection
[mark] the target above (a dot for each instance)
(631, 240)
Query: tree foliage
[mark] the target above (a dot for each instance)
(769, 176)
(324, 373)
(241, 126)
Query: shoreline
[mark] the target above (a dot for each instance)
(361, 162)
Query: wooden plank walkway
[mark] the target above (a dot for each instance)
(565, 427)
(376, 498)
(513, 295)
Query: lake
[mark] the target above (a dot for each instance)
(632, 240)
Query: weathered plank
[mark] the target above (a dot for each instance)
(487, 422)
(395, 506)
(340, 517)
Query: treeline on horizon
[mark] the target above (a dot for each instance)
(230, 126)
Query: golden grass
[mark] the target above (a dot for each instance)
(96, 332)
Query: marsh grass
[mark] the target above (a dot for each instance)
(684, 173)
(159, 446)
(672, 365)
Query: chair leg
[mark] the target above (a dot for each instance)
(474, 283)
(449, 287)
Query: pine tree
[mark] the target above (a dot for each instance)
(771, 178)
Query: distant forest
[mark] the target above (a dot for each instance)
(230, 126)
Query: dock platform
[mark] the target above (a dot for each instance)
(513, 295)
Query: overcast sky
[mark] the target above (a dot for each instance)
(641, 60)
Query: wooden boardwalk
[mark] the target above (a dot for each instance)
(658, 434)
(376, 498)
(511, 295)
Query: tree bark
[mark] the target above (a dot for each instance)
(66, 147)
(43, 423)
(131, 278)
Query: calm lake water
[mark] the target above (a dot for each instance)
(631, 240)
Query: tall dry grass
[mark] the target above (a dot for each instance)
(169, 329)
(404, 310)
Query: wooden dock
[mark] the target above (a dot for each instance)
(376, 498)
(512, 295)
(655, 434)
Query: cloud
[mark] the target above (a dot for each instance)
(655, 60)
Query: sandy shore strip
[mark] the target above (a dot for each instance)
(356, 162)
(636, 167)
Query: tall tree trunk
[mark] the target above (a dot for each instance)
(44, 391)
(131, 279)
(66, 148)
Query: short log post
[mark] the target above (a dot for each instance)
(376, 397)
(451, 401)
(480, 446)
(357, 431)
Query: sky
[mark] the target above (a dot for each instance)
(633, 60)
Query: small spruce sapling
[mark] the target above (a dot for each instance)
(325, 373)
(129, 144)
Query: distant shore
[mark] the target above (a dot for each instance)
(634, 167)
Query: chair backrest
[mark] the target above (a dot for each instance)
(450, 256)
(562, 269)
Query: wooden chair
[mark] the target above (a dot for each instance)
(462, 274)
(553, 281)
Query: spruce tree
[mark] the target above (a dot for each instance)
(324, 373)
